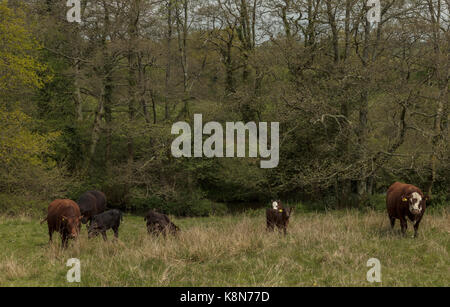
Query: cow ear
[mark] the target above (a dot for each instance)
(404, 198)
(63, 218)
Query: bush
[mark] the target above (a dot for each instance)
(14, 205)
(219, 209)
(377, 202)
(194, 204)
(438, 201)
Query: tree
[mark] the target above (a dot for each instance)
(19, 66)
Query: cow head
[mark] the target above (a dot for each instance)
(94, 228)
(174, 228)
(415, 202)
(84, 219)
(71, 224)
(276, 204)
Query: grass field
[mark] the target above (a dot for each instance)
(321, 249)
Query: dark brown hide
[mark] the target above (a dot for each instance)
(64, 217)
(158, 223)
(279, 218)
(91, 203)
(400, 203)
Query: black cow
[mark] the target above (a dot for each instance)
(100, 223)
(91, 203)
(159, 223)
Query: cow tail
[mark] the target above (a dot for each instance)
(44, 219)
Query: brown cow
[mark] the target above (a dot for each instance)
(64, 217)
(159, 223)
(278, 216)
(91, 203)
(405, 200)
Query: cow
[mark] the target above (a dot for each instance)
(63, 216)
(91, 203)
(405, 201)
(100, 223)
(278, 216)
(158, 223)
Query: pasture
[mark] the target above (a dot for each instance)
(321, 249)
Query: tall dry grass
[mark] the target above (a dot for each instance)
(327, 249)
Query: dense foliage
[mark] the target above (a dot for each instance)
(91, 104)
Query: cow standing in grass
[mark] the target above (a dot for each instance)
(158, 223)
(278, 216)
(63, 216)
(100, 223)
(91, 203)
(405, 201)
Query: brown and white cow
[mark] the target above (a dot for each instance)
(278, 216)
(405, 201)
(63, 216)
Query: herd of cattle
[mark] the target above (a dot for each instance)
(66, 216)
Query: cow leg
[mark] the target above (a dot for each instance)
(151, 229)
(116, 232)
(269, 226)
(104, 235)
(285, 226)
(64, 240)
(50, 234)
(404, 225)
(416, 226)
(392, 220)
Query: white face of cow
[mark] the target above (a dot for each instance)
(275, 205)
(414, 203)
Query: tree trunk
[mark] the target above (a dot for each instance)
(441, 70)
(363, 122)
(78, 100)
(169, 56)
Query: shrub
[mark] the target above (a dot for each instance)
(14, 205)
(219, 208)
(194, 204)
(377, 202)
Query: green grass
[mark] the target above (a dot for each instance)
(321, 249)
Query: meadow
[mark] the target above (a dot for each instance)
(321, 249)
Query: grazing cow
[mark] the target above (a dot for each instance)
(405, 200)
(100, 223)
(278, 216)
(91, 203)
(63, 216)
(159, 223)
